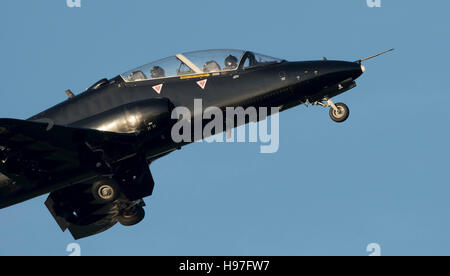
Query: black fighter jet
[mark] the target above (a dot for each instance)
(92, 152)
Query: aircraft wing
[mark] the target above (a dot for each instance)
(35, 156)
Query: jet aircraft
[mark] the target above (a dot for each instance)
(92, 153)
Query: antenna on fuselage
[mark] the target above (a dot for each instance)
(69, 94)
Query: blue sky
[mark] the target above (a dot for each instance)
(330, 190)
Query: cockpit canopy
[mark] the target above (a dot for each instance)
(199, 62)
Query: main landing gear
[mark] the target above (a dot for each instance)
(105, 191)
(339, 112)
(132, 216)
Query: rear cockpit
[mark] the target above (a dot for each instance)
(199, 62)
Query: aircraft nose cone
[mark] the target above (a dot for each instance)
(353, 69)
(342, 70)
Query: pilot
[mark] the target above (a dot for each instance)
(157, 72)
(231, 62)
(137, 76)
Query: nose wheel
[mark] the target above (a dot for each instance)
(339, 112)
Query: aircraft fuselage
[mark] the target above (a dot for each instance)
(283, 85)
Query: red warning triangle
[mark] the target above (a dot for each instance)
(158, 88)
(202, 83)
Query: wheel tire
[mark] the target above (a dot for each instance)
(132, 217)
(105, 191)
(342, 115)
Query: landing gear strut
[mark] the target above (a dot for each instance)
(339, 112)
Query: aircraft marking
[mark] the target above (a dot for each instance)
(202, 83)
(158, 88)
(195, 76)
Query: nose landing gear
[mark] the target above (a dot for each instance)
(339, 112)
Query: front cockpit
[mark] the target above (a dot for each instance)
(199, 62)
